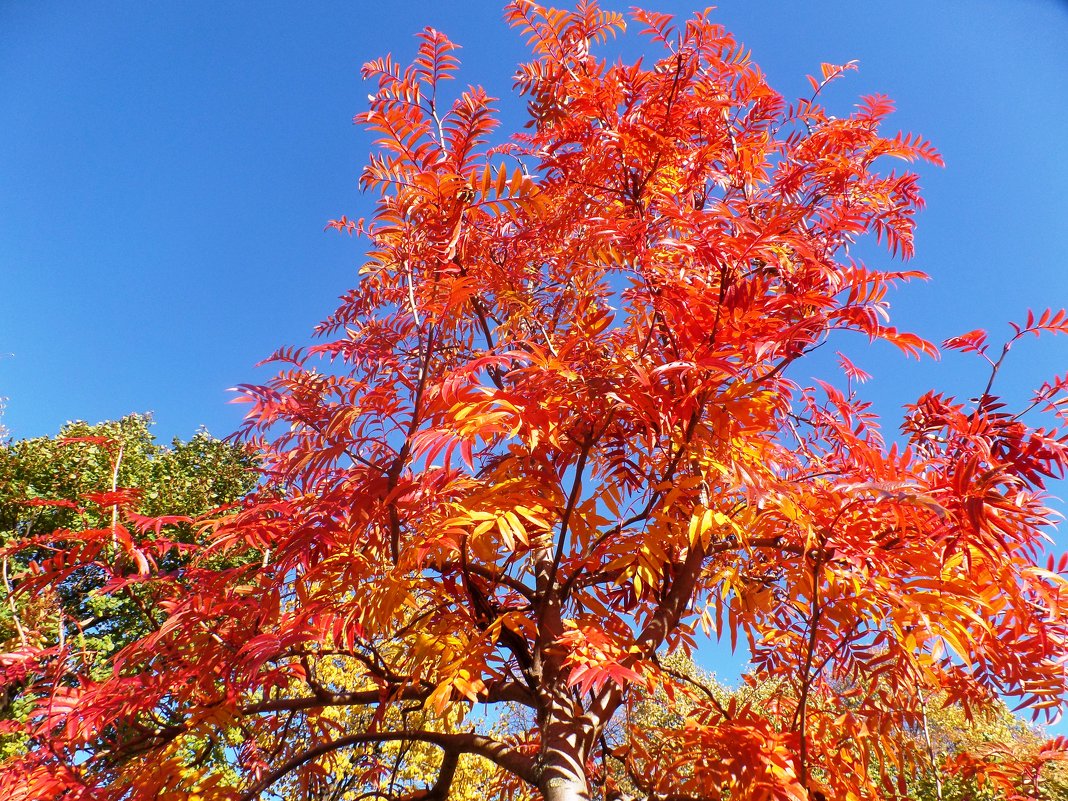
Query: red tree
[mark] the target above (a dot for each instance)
(553, 431)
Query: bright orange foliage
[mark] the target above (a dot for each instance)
(550, 434)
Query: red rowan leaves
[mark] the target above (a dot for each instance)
(971, 342)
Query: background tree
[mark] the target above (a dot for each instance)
(50, 484)
(556, 428)
(989, 756)
(402, 768)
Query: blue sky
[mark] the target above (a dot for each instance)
(166, 170)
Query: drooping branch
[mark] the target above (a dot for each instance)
(321, 700)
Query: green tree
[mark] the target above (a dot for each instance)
(992, 756)
(45, 487)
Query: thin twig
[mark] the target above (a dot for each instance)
(14, 610)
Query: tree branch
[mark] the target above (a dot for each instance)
(664, 620)
(496, 692)
(463, 743)
(394, 474)
(565, 520)
(491, 575)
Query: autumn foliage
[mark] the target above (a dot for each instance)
(556, 432)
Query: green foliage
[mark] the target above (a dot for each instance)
(970, 757)
(44, 482)
(188, 478)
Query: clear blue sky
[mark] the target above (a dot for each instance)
(166, 170)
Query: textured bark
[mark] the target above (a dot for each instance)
(567, 739)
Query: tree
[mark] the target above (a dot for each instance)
(990, 756)
(552, 432)
(54, 483)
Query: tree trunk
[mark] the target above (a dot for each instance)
(567, 740)
(558, 788)
(563, 775)
(567, 733)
